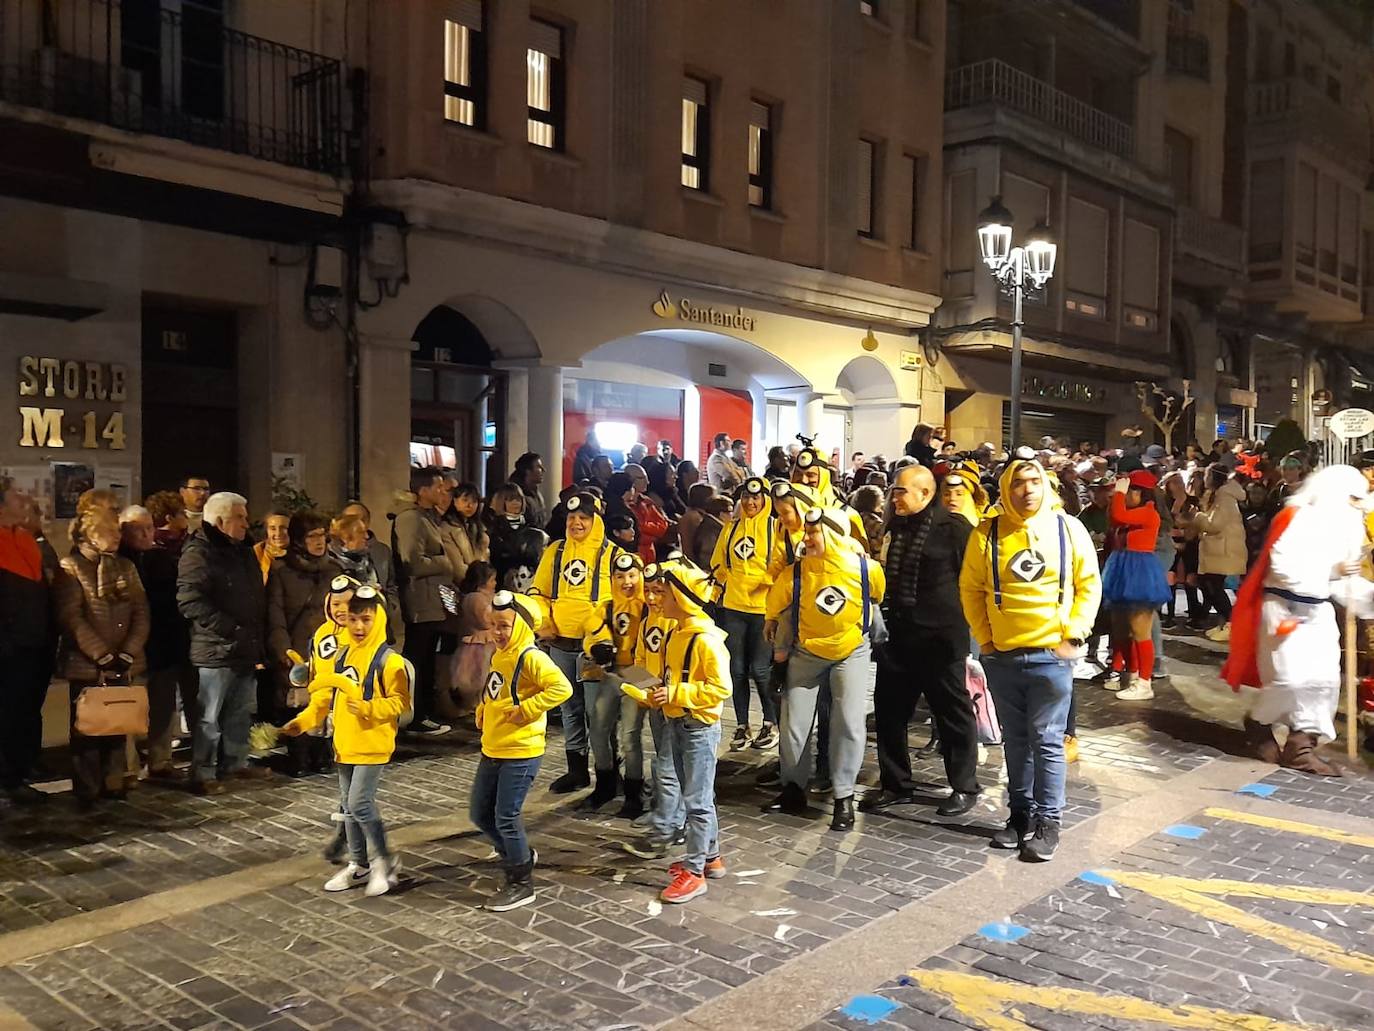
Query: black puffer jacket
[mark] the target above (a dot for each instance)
(221, 594)
(297, 588)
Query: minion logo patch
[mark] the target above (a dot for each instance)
(621, 623)
(328, 647)
(352, 674)
(575, 573)
(653, 637)
(744, 549)
(492, 688)
(1027, 565)
(830, 600)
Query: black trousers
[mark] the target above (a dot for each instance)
(929, 662)
(421, 648)
(24, 679)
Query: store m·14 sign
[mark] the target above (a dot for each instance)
(702, 314)
(43, 426)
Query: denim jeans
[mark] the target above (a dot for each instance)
(163, 685)
(694, 756)
(668, 808)
(227, 698)
(573, 712)
(632, 716)
(808, 676)
(602, 704)
(1032, 690)
(498, 796)
(751, 660)
(362, 821)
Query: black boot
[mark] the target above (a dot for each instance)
(843, 817)
(519, 889)
(576, 778)
(634, 800)
(931, 747)
(791, 801)
(607, 785)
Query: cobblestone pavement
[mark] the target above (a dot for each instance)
(597, 950)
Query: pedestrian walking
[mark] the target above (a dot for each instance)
(1134, 585)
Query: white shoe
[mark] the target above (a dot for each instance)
(1140, 691)
(382, 876)
(1220, 634)
(1112, 682)
(351, 876)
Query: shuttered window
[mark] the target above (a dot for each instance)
(864, 177)
(1140, 275)
(1305, 214)
(465, 65)
(696, 135)
(1085, 259)
(546, 78)
(1266, 212)
(760, 155)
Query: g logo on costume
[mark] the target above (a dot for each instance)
(744, 549)
(492, 688)
(830, 600)
(1027, 565)
(352, 674)
(653, 637)
(327, 647)
(621, 623)
(575, 573)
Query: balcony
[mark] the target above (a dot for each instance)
(1208, 243)
(1292, 110)
(179, 74)
(1190, 54)
(997, 83)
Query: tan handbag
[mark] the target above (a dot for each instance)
(106, 710)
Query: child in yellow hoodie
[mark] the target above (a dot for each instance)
(522, 686)
(829, 597)
(740, 563)
(695, 685)
(609, 644)
(366, 693)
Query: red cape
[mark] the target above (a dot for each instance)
(1242, 665)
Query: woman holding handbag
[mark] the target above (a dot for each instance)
(103, 613)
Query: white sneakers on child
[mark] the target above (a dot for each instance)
(351, 876)
(1139, 691)
(377, 878)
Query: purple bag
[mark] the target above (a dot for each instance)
(984, 712)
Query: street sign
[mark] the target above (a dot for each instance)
(1352, 423)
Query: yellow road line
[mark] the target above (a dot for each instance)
(1292, 827)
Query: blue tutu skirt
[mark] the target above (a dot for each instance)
(1134, 579)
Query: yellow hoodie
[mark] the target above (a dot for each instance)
(696, 665)
(827, 495)
(573, 578)
(826, 593)
(786, 542)
(1045, 587)
(742, 555)
(371, 673)
(522, 685)
(616, 620)
(975, 502)
(653, 635)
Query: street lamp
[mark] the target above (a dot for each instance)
(1018, 269)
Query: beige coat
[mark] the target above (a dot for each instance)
(1221, 532)
(93, 627)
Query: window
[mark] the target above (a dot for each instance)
(465, 65)
(1140, 279)
(868, 7)
(911, 165)
(867, 188)
(696, 135)
(1085, 259)
(1178, 149)
(546, 85)
(916, 20)
(760, 155)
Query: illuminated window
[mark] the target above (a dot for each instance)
(868, 7)
(465, 65)
(696, 135)
(760, 155)
(546, 85)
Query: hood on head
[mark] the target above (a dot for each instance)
(339, 585)
(803, 496)
(1047, 499)
(972, 476)
(360, 653)
(584, 501)
(526, 621)
(809, 458)
(692, 585)
(755, 486)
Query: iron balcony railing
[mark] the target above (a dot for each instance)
(1210, 239)
(996, 82)
(181, 74)
(1189, 53)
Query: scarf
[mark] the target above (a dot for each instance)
(904, 551)
(110, 581)
(19, 553)
(357, 564)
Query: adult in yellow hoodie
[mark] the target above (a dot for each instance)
(811, 468)
(829, 597)
(694, 688)
(790, 503)
(608, 644)
(740, 563)
(366, 693)
(1030, 589)
(522, 685)
(573, 579)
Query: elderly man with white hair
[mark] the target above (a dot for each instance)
(1284, 637)
(221, 594)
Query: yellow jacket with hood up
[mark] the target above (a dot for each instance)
(573, 578)
(522, 685)
(741, 559)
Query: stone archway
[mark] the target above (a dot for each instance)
(876, 414)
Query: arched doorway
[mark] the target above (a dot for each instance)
(873, 413)
(457, 399)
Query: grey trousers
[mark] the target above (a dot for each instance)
(848, 680)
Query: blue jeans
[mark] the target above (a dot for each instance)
(1032, 690)
(669, 811)
(362, 821)
(694, 755)
(632, 716)
(751, 659)
(601, 702)
(573, 712)
(498, 796)
(227, 698)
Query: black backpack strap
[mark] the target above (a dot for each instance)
(515, 677)
(596, 571)
(557, 570)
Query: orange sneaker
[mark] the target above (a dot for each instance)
(685, 887)
(714, 869)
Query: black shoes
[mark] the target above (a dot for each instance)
(792, 801)
(1014, 834)
(634, 800)
(1043, 844)
(519, 889)
(843, 817)
(576, 778)
(877, 801)
(958, 803)
(607, 787)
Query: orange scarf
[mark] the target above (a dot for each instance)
(19, 553)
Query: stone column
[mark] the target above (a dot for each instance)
(546, 425)
(384, 423)
(1205, 352)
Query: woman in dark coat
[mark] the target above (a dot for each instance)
(297, 589)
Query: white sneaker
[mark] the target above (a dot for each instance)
(1112, 682)
(351, 876)
(383, 875)
(1140, 691)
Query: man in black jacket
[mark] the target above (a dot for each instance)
(928, 643)
(26, 647)
(221, 594)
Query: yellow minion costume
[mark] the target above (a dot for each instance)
(616, 622)
(786, 542)
(810, 465)
(973, 504)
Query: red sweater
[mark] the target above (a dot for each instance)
(1142, 524)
